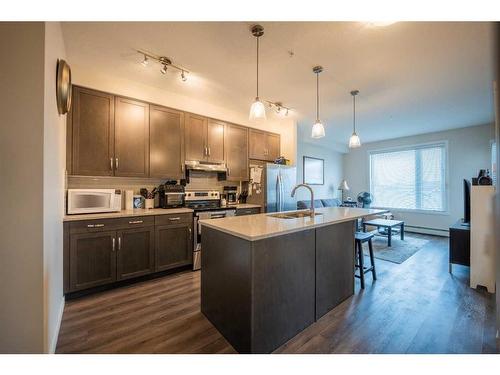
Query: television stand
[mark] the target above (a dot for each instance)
(459, 244)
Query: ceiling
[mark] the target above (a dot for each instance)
(413, 77)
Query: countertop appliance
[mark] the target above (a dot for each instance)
(271, 186)
(231, 193)
(171, 196)
(87, 201)
(206, 205)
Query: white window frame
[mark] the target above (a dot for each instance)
(444, 143)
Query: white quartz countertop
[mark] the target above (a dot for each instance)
(256, 227)
(128, 213)
(242, 206)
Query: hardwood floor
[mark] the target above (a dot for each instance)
(413, 307)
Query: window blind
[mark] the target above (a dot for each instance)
(411, 178)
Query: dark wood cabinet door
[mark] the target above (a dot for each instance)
(273, 147)
(90, 143)
(135, 252)
(334, 265)
(173, 246)
(236, 146)
(166, 143)
(257, 144)
(215, 141)
(195, 137)
(131, 138)
(92, 259)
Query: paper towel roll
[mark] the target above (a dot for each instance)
(129, 199)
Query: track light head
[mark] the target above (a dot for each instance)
(145, 61)
(183, 76)
(163, 70)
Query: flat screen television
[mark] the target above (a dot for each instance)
(466, 220)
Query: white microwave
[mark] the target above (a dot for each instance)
(86, 201)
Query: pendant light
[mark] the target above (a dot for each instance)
(318, 130)
(354, 141)
(257, 110)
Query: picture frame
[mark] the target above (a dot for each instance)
(313, 170)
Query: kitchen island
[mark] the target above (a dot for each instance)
(266, 277)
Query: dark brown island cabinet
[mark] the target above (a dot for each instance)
(260, 293)
(110, 135)
(102, 252)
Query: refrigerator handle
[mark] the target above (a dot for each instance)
(278, 193)
(280, 179)
(282, 194)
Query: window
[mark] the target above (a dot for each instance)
(411, 178)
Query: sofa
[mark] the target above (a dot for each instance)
(318, 203)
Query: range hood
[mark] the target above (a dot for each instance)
(205, 166)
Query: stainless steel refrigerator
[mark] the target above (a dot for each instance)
(274, 192)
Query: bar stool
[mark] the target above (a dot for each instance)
(360, 238)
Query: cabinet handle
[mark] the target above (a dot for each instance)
(136, 222)
(113, 248)
(206, 151)
(95, 225)
(190, 233)
(119, 242)
(174, 218)
(116, 163)
(228, 171)
(182, 167)
(111, 163)
(209, 151)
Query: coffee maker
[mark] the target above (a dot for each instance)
(231, 194)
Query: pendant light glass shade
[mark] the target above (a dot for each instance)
(257, 111)
(354, 141)
(318, 130)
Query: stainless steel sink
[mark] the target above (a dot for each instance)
(293, 214)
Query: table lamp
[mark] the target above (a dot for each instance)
(343, 187)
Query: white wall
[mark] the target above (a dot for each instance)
(54, 166)
(468, 151)
(333, 171)
(21, 187)
(89, 77)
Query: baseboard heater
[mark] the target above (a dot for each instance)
(420, 229)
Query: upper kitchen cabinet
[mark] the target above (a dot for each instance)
(204, 139)
(166, 129)
(215, 141)
(195, 137)
(91, 133)
(263, 145)
(236, 148)
(131, 138)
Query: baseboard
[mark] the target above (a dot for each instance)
(53, 344)
(426, 230)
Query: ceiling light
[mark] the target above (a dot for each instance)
(318, 130)
(145, 61)
(163, 70)
(183, 76)
(257, 109)
(354, 141)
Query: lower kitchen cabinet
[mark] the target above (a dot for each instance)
(92, 259)
(105, 251)
(135, 255)
(174, 246)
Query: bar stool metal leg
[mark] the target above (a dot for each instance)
(361, 265)
(372, 259)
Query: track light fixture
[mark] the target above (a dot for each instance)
(279, 108)
(165, 63)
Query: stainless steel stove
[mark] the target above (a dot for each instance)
(206, 205)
